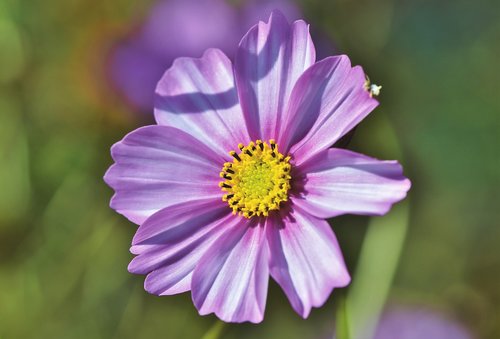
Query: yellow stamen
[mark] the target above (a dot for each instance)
(257, 180)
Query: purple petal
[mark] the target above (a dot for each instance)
(338, 181)
(270, 59)
(199, 97)
(231, 279)
(327, 101)
(170, 243)
(173, 28)
(306, 260)
(258, 10)
(158, 166)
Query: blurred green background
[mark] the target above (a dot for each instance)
(64, 252)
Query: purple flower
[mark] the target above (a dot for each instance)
(417, 323)
(218, 222)
(182, 28)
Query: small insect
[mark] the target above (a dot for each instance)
(373, 89)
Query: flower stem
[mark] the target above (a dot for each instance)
(342, 321)
(375, 271)
(215, 331)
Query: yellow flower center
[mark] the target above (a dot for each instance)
(257, 180)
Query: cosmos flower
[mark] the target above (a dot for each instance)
(405, 322)
(235, 181)
(177, 28)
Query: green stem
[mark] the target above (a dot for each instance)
(342, 322)
(215, 331)
(375, 271)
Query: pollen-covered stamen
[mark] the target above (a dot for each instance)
(257, 180)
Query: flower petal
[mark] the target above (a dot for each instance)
(231, 279)
(170, 243)
(270, 59)
(328, 100)
(338, 181)
(199, 97)
(159, 166)
(306, 259)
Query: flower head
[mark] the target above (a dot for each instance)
(234, 182)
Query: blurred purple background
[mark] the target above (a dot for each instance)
(176, 28)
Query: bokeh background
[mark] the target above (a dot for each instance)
(71, 85)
